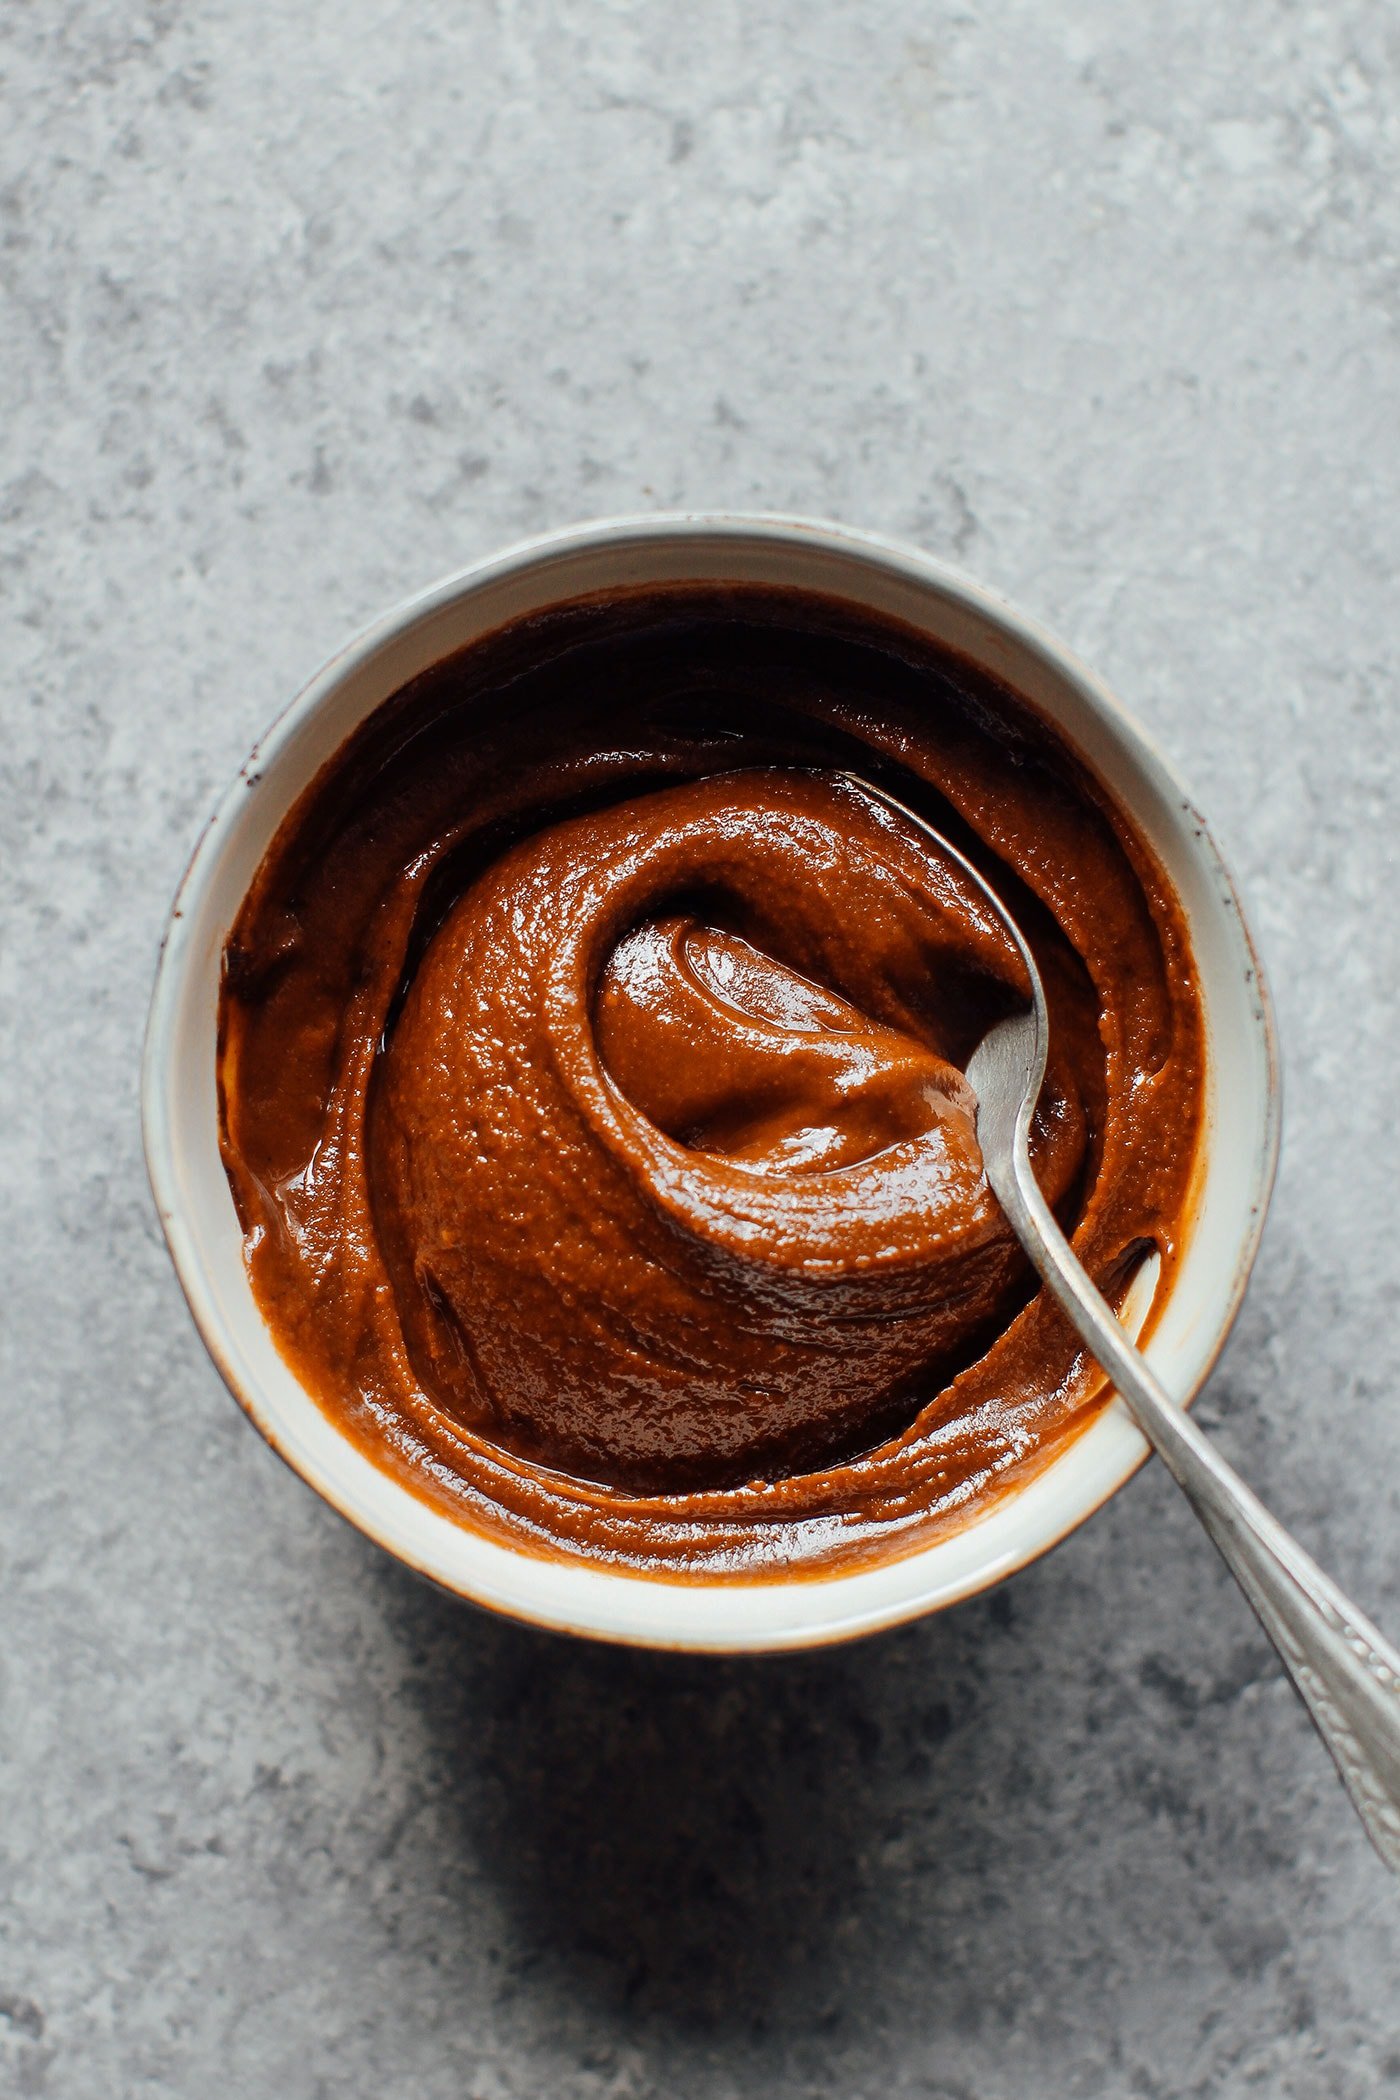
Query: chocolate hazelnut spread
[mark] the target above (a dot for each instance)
(591, 1068)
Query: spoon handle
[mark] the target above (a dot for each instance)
(1347, 1674)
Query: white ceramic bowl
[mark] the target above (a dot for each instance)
(181, 1115)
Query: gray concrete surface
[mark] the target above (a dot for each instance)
(305, 305)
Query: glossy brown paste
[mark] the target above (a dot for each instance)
(591, 1074)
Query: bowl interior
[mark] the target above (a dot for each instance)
(181, 1119)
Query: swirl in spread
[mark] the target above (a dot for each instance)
(591, 1068)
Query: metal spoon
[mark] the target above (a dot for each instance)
(1347, 1674)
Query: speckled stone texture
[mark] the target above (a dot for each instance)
(306, 305)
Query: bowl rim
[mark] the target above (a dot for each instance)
(160, 1052)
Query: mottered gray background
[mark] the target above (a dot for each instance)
(306, 305)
